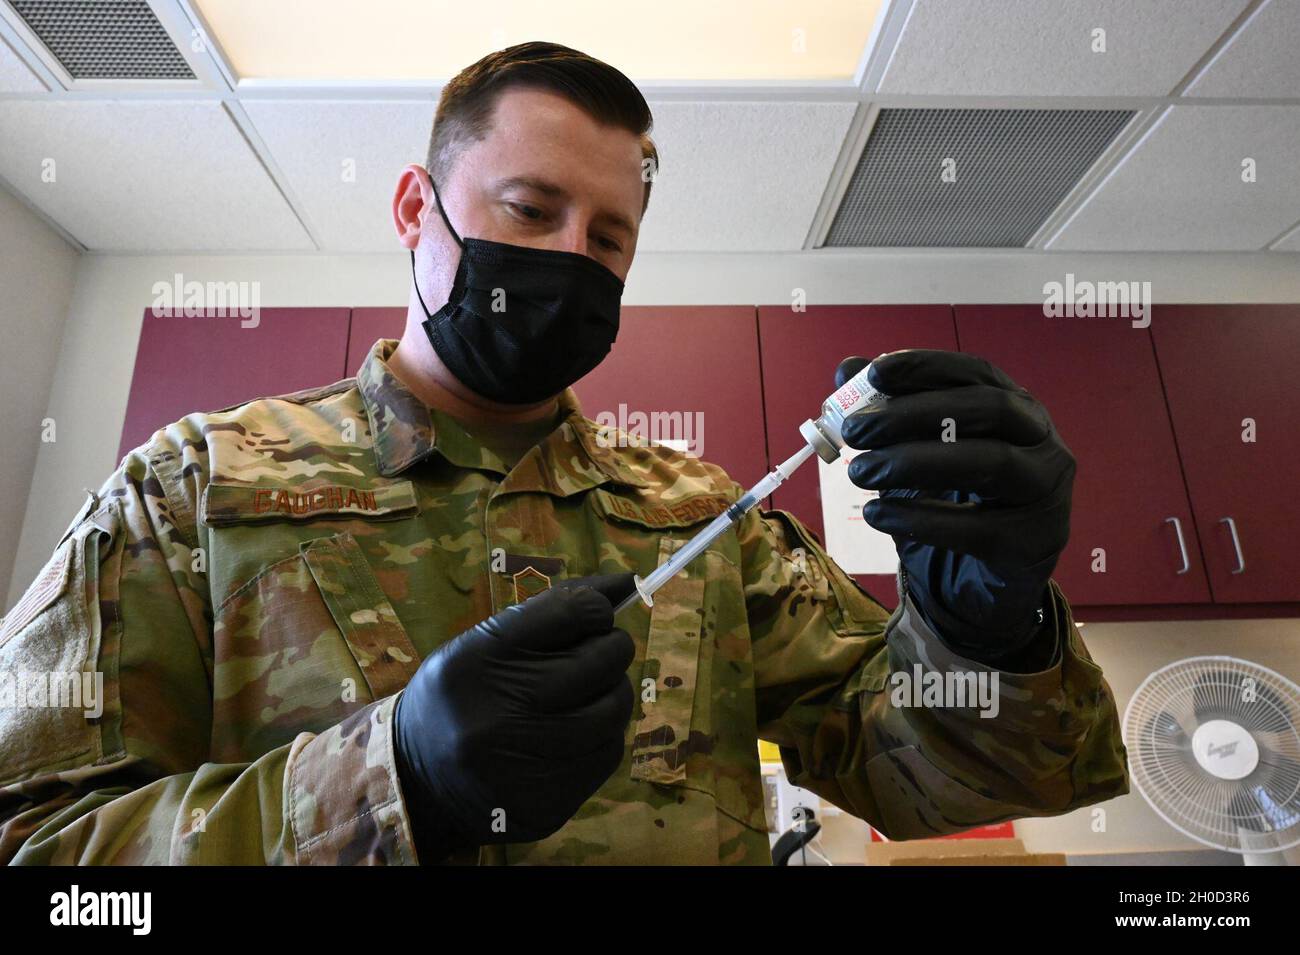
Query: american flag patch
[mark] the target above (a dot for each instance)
(46, 589)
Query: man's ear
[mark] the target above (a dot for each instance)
(411, 199)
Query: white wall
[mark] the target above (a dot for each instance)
(37, 270)
(95, 364)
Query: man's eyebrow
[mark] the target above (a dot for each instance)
(558, 192)
(532, 182)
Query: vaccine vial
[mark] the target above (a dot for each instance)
(823, 435)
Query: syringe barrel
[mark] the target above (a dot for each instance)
(761, 490)
(824, 433)
(715, 529)
(688, 552)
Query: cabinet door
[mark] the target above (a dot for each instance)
(368, 326)
(1099, 381)
(800, 352)
(188, 364)
(693, 372)
(1230, 375)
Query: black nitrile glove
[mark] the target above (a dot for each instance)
(979, 521)
(507, 729)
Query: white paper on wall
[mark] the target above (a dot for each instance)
(852, 543)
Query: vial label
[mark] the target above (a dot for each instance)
(855, 393)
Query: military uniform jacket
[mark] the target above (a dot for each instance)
(256, 586)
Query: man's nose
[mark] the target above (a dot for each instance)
(575, 237)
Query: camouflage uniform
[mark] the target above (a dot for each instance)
(257, 585)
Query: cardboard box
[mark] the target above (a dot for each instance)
(958, 852)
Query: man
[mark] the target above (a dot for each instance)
(313, 613)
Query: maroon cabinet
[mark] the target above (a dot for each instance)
(204, 363)
(1226, 368)
(368, 326)
(698, 365)
(1099, 381)
(800, 353)
(1155, 417)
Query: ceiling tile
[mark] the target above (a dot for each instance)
(1289, 243)
(1261, 60)
(735, 176)
(130, 175)
(1044, 48)
(740, 177)
(341, 160)
(1182, 188)
(15, 75)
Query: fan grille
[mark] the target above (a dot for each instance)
(1258, 813)
(1010, 169)
(105, 39)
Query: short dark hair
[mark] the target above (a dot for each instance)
(603, 92)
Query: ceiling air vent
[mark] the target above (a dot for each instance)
(105, 39)
(967, 177)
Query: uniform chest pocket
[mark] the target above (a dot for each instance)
(303, 644)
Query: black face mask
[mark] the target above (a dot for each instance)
(522, 324)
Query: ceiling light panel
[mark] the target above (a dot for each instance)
(424, 41)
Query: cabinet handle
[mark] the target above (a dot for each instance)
(1182, 544)
(1236, 543)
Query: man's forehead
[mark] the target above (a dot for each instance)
(541, 140)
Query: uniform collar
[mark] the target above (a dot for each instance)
(576, 456)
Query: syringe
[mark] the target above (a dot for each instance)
(720, 524)
(823, 436)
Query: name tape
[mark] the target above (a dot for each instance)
(245, 503)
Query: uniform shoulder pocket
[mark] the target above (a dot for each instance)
(52, 683)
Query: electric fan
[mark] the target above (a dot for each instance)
(1214, 747)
